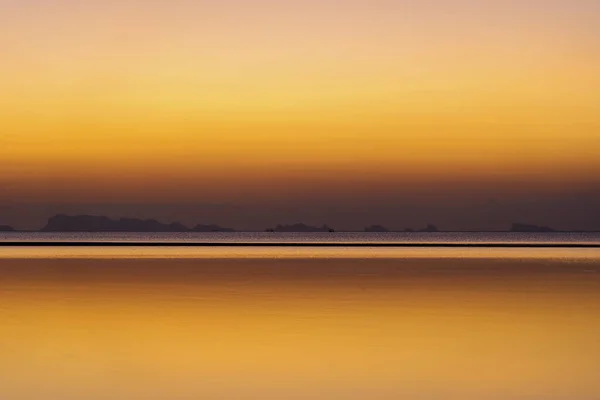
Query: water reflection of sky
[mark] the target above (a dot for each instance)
(591, 254)
(284, 328)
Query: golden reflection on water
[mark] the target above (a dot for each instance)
(411, 328)
(134, 252)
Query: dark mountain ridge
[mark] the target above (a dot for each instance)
(92, 223)
(300, 228)
(376, 228)
(519, 227)
(379, 228)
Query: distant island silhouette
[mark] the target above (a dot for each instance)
(97, 223)
(300, 228)
(91, 223)
(519, 227)
(429, 228)
(376, 228)
(211, 228)
(379, 228)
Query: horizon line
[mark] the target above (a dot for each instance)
(295, 244)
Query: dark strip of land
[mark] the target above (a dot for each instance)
(295, 244)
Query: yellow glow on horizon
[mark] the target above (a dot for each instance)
(119, 90)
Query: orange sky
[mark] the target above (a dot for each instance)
(245, 96)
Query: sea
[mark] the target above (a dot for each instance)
(271, 316)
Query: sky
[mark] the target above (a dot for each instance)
(467, 114)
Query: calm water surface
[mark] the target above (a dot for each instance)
(299, 324)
